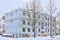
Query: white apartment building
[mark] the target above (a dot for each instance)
(18, 24)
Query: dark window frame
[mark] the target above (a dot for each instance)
(23, 22)
(28, 29)
(23, 29)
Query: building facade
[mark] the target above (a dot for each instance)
(19, 24)
(2, 24)
(58, 24)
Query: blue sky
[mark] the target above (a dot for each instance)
(8, 5)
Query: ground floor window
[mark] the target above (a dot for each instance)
(23, 29)
(28, 29)
(42, 32)
(33, 29)
(38, 30)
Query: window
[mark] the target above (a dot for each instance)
(48, 30)
(11, 20)
(24, 13)
(28, 15)
(59, 24)
(0, 25)
(28, 23)
(53, 30)
(28, 29)
(38, 30)
(11, 14)
(48, 24)
(45, 24)
(3, 25)
(42, 25)
(6, 14)
(19, 35)
(53, 25)
(33, 23)
(39, 16)
(33, 29)
(38, 23)
(42, 32)
(23, 21)
(50, 17)
(23, 29)
(38, 35)
(3, 17)
(47, 18)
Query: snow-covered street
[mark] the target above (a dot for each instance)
(31, 38)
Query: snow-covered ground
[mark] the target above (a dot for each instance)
(31, 38)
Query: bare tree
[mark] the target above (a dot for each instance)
(51, 8)
(36, 8)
